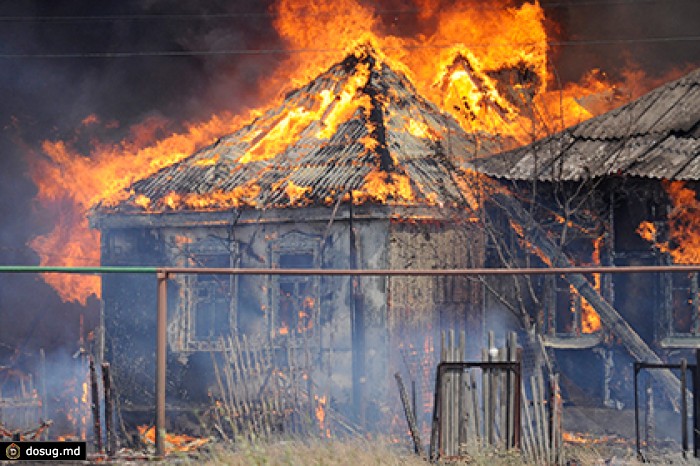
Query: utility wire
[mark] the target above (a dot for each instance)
(193, 53)
(221, 16)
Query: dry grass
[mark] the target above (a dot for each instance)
(355, 452)
(360, 452)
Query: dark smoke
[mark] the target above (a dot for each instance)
(47, 98)
(631, 23)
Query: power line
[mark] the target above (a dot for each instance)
(194, 53)
(245, 15)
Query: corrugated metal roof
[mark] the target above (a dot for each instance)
(655, 136)
(375, 137)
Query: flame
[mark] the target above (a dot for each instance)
(208, 161)
(295, 192)
(527, 245)
(587, 439)
(485, 66)
(237, 197)
(71, 183)
(382, 186)
(647, 231)
(75, 404)
(173, 442)
(142, 201)
(321, 415)
(683, 244)
(304, 317)
(590, 320)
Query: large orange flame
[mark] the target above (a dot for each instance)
(71, 183)
(485, 66)
(683, 241)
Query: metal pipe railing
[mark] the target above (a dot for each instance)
(355, 272)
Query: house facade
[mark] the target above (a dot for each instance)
(365, 191)
(619, 189)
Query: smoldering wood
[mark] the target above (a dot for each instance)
(609, 316)
(556, 410)
(44, 398)
(410, 416)
(110, 433)
(540, 426)
(95, 405)
(650, 412)
(531, 447)
(265, 394)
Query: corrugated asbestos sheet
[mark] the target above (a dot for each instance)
(375, 136)
(655, 136)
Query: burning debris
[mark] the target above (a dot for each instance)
(173, 442)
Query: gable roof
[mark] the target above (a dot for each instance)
(358, 131)
(655, 136)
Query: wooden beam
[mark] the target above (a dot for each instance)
(609, 316)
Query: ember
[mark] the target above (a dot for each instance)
(173, 442)
(587, 439)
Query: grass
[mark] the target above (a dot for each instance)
(355, 452)
(360, 452)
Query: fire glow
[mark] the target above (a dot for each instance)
(487, 67)
(683, 244)
(173, 442)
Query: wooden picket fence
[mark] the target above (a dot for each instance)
(257, 395)
(487, 404)
(264, 391)
(22, 411)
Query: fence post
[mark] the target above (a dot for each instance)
(161, 355)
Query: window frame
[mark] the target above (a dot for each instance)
(298, 244)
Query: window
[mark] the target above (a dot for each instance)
(213, 298)
(206, 304)
(682, 309)
(294, 297)
(568, 316)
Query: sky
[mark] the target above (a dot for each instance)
(55, 72)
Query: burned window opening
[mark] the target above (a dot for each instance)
(294, 298)
(566, 312)
(206, 309)
(213, 294)
(294, 310)
(684, 305)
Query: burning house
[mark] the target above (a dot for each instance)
(357, 170)
(618, 189)
(353, 170)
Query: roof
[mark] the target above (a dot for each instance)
(358, 131)
(655, 136)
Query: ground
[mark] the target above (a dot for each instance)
(359, 452)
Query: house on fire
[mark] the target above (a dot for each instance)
(356, 170)
(352, 170)
(618, 189)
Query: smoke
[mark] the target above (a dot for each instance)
(49, 98)
(614, 37)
